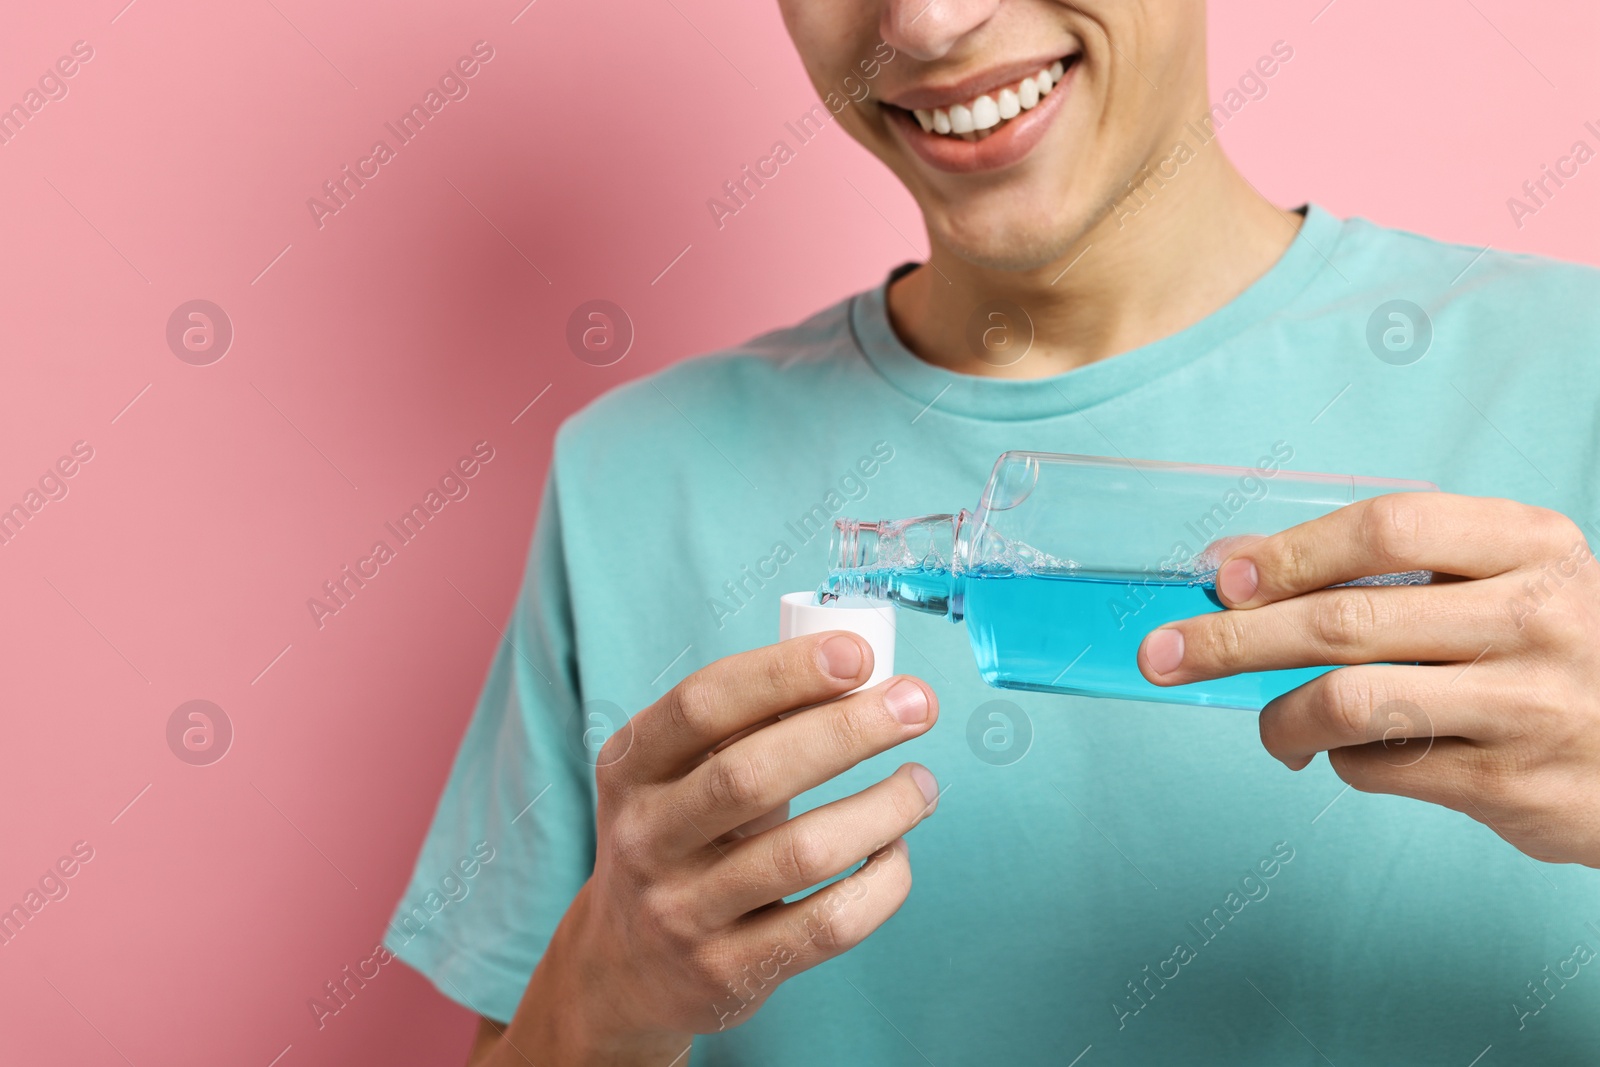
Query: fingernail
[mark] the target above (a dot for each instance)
(1163, 650)
(907, 702)
(841, 657)
(1238, 581)
(925, 782)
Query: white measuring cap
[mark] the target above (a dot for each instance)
(800, 614)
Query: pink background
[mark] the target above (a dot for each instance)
(372, 352)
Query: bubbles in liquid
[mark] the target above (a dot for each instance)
(913, 553)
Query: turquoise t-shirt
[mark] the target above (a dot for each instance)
(1131, 883)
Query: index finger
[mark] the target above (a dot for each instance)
(739, 691)
(1474, 537)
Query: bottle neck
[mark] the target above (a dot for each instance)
(909, 562)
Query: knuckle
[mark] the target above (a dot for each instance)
(611, 759)
(1562, 692)
(1392, 531)
(1223, 638)
(608, 779)
(801, 857)
(1544, 708)
(631, 842)
(1559, 621)
(1291, 564)
(845, 913)
(732, 782)
(713, 967)
(1555, 529)
(1346, 703)
(847, 930)
(1347, 619)
(1543, 625)
(848, 729)
(815, 928)
(887, 891)
(1495, 778)
(842, 928)
(670, 913)
(692, 705)
(1536, 621)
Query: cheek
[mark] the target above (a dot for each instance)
(832, 37)
(817, 30)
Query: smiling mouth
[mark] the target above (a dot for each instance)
(986, 114)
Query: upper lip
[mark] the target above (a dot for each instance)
(972, 86)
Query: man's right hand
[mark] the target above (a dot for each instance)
(681, 927)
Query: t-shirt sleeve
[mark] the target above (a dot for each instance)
(512, 839)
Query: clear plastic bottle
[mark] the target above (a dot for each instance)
(1069, 561)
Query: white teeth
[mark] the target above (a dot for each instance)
(985, 113)
(978, 119)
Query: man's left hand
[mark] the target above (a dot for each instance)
(1480, 691)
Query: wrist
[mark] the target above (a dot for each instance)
(581, 1006)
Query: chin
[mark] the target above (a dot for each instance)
(1014, 234)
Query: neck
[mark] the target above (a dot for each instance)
(1154, 265)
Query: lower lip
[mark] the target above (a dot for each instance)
(1015, 139)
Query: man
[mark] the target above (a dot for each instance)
(1110, 881)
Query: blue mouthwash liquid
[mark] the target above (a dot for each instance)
(1080, 633)
(1077, 632)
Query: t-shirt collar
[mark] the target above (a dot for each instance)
(983, 397)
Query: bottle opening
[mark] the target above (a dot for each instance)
(853, 545)
(909, 562)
